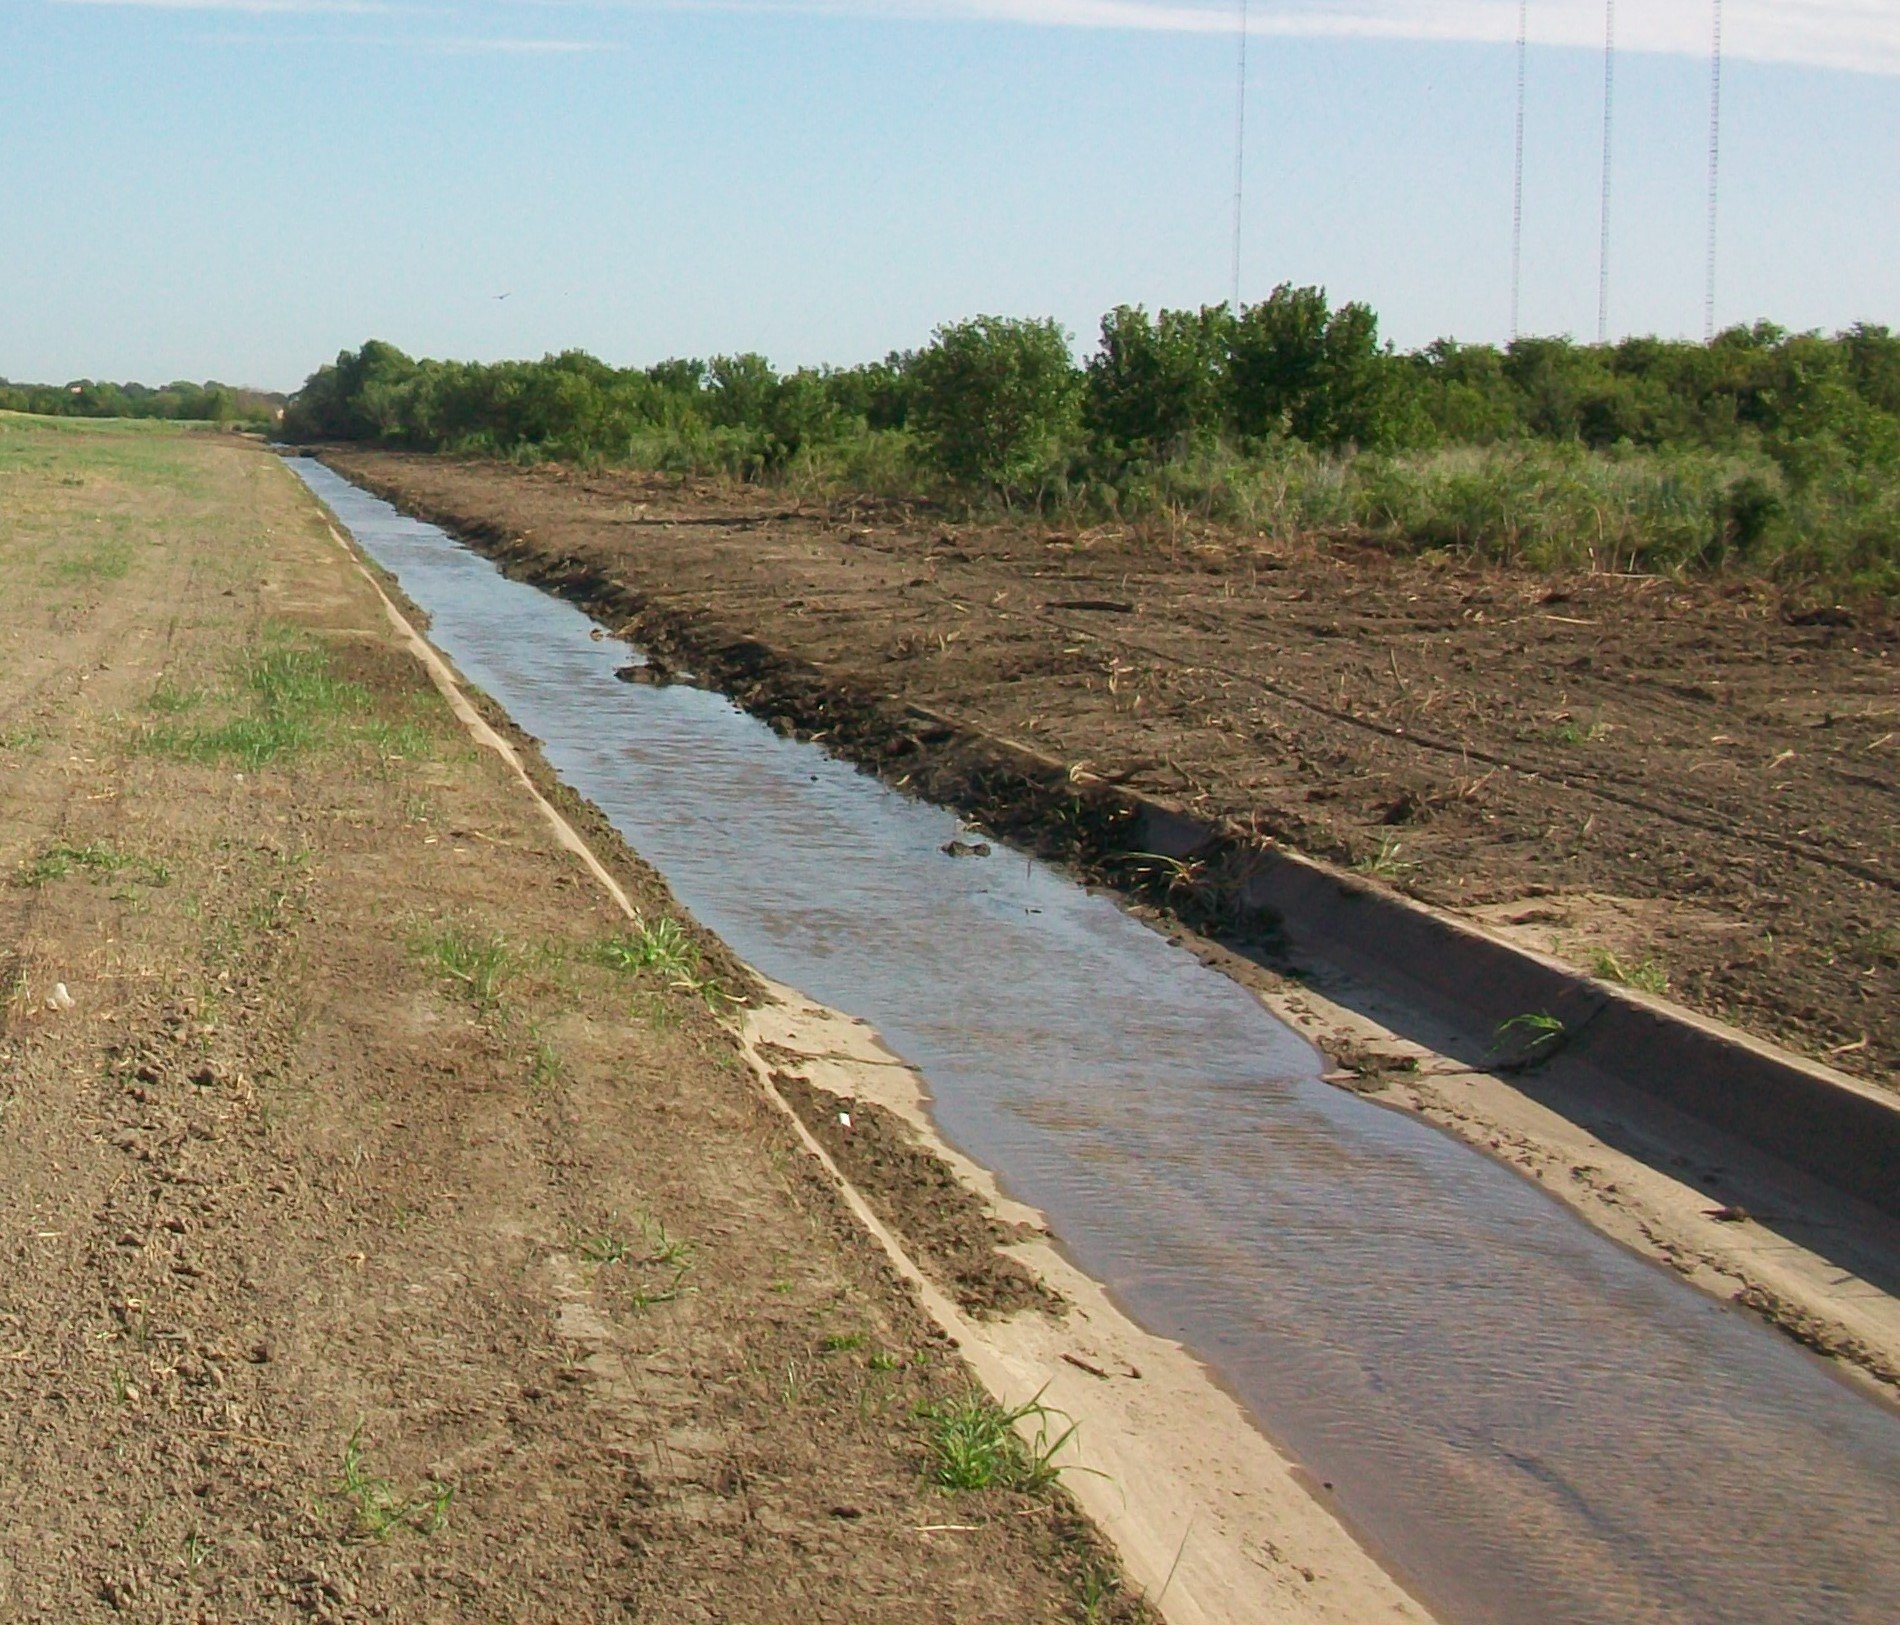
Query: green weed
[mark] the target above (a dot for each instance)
(841, 1342)
(605, 1248)
(660, 946)
(1645, 975)
(1882, 947)
(1541, 1036)
(1097, 1588)
(378, 1508)
(1575, 733)
(102, 561)
(1385, 864)
(169, 700)
(651, 1250)
(975, 1444)
(397, 741)
(545, 1066)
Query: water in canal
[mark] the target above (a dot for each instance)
(1526, 1422)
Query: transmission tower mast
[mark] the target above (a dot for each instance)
(1240, 146)
(1603, 245)
(1517, 173)
(1715, 169)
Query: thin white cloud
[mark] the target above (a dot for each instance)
(424, 44)
(1860, 35)
(257, 8)
(518, 47)
(447, 45)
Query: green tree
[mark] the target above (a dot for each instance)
(1297, 367)
(1154, 386)
(743, 390)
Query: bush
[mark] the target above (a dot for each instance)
(995, 399)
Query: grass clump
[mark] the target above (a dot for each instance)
(102, 561)
(661, 948)
(378, 1509)
(975, 1444)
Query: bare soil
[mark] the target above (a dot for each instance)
(943, 1221)
(1682, 784)
(377, 1251)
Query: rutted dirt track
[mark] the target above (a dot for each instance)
(1644, 777)
(381, 1248)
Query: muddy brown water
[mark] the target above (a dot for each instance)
(1527, 1423)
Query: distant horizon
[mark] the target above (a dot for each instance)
(239, 189)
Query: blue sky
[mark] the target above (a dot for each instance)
(239, 188)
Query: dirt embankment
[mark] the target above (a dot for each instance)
(384, 1243)
(1677, 785)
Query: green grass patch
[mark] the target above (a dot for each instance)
(1386, 863)
(1535, 1036)
(97, 562)
(287, 701)
(1881, 947)
(479, 966)
(96, 861)
(169, 700)
(655, 1263)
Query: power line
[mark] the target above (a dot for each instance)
(1715, 167)
(1240, 146)
(1517, 173)
(1603, 245)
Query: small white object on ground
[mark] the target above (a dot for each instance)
(845, 1119)
(59, 998)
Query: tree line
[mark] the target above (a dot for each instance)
(1287, 413)
(210, 402)
(1001, 403)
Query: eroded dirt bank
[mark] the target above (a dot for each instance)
(1664, 783)
(393, 1234)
